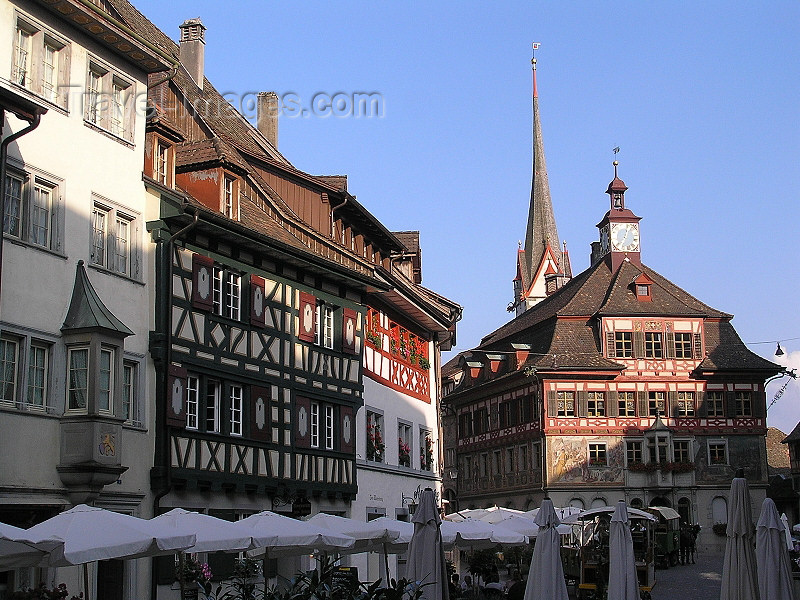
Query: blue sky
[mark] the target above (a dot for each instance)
(702, 99)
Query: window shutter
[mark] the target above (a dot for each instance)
(638, 344)
(552, 404)
(669, 349)
(643, 408)
(672, 402)
(260, 419)
(258, 304)
(176, 402)
(347, 429)
(702, 405)
(307, 326)
(302, 420)
(583, 404)
(698, 346)
(730, 404)
(202, 276)
(612, 403)
(63, 77)
(611, 347)
(759, 404)
(349, 331)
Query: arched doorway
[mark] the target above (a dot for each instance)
(660, 501)
(637, 503)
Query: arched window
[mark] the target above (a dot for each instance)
(719, 510)
(685, 510)
(599, 503)
(636, 503)
(577, 503)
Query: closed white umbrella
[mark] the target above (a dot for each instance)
(787, 532)
(546, 575)
(622, 581)
(91, 534)
(212, 534)
(772, 556)
(18, 551)
(426, 562)
(739, 581)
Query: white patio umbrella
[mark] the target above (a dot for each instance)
(371, 535)
(739, 581)
(17, 551)
(426, 563)
(622, 581)
(772, 556)
(591, 513)
(91, 534)
(527, 526)
(562, 512)
(271, 531)
(493, 514)
(212, 534)
(546, 575)
(470, 534)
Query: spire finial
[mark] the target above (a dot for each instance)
(616, 164)
(535, 46)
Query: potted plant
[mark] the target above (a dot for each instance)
(190, 573)
(375, 445)
(426, 455)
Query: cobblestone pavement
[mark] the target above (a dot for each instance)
(685, 582)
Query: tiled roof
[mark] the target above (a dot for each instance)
(569, 342)
(794, 435)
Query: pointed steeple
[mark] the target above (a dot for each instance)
(542, 244)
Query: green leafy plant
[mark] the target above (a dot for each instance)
(424, 363)
(242, 584)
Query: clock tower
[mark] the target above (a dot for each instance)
(619, 229)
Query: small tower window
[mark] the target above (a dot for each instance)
(643, 287)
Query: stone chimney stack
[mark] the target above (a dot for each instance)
(267, 116)
(193, 45)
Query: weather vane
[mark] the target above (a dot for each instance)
(616, 150)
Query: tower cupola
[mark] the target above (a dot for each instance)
(619, 229)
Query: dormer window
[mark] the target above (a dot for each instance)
(643, 286)
(230, 201)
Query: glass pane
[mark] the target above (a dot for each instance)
(37, 370)
(11, 217)
(8, 370)
(104, 380)
(78, 378)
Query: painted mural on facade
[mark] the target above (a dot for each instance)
(569, 461)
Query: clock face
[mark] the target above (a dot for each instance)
(625, 237)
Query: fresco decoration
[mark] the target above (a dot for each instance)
(568, 461)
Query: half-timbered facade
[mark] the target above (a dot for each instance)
(619, 385)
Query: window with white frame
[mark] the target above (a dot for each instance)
(376, 446)
(32, 210)
(329, 420)
(9, 360)
(40, 61)
(314, 424)
(161, 166)
(78, 378)
(323, 334)
(426, 457)
(114, 239)
(213, 398)
(192, 402)
(236, 409)
(38, 358)
(230, 203)
(404, 442)
(109, 100)
(130, 390)
(227, 294)
(105, 381)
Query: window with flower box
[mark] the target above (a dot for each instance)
(633, 452)
(597, 454)
(403, 344)
(425, 450)
(375, 444)
(404, 441)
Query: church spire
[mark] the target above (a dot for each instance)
(542, 244)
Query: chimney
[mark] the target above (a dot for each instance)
(193, 44)
(267, 116)
(596, 254)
